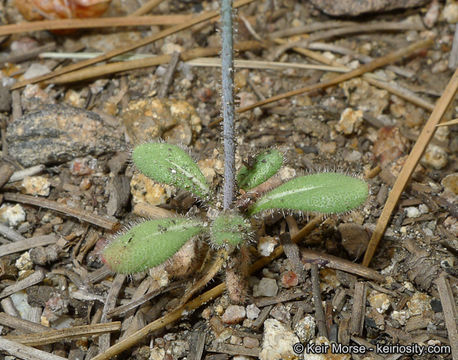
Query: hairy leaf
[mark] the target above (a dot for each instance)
(266, 165)
(149, 244)
(327, 193)
(171, 165)
(229, 228)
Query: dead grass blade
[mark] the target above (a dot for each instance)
(148, 40)
(64, 24)
(410, 164)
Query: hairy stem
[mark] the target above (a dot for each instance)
(228, 102)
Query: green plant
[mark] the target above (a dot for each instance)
(151, 243)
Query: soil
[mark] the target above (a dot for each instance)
(86, 189)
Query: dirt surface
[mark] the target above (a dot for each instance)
(81, 188)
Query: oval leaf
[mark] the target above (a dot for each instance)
(327, 193)
(265, 166)
(171, 165)
(149, 244)
(230, 229)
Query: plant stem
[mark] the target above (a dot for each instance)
(228, 102)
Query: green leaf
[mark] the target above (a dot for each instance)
(265, 166)
(171, 165)
(229, 228)
(149, 244)
(327, 193)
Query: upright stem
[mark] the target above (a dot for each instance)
(228, 102)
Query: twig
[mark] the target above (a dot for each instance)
(22, 325)
(16, 112)
(6, 170)
(30, 280)
(353, 29)
(26, 352)
(379, 62)
(292, 253)
(168, 76)
(121, 310)
(146, 7)
(319, 313)
(257, 64)
(110, 303)
(359, 309)
(105, 222)
(450, 312)
(272, 300)
(75, 332)
(21, 174)
(333, 262)
(97, 71)
(410, 164)
(64, 24)
(448, 123)
(364, 58)
(25, 244)
(26, 55)
(172, 30)
(10, 234)
(316, 26)
(453, 59)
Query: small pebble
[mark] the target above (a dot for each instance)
(354, 239)
(412, 212)
(266, 245)
(450, 183)
(379, 301)
(145, 190)
(350, 121)
(83, 166)
(352, 156)
(5, 99)
(278, 341)
(234, 314)
(250, 343)
(289, 279)
(435, 157)
(419, 303)
(252, 311)
(35, 70)
(24, 262)
(450, 12)
(266, 287)
(281, 313)
(36, 185)
(12, 215)
(305, 328)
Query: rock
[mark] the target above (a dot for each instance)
(34, 98)
(354, 239)
(389, 146)
(266, 245)
(352, 155)
(34, 70)
(356, 7)
(350, 121)
(24, 262)
(12, 215)
(59, 133)
(412, 212)
(435, 157)
(83, 166)
(36, 185)
(379, 301)
(419, 304)
(5, 99)
(450, 183)
(145, 190)
(305, 328)
(277, 341)
(234, 314)
(450, 12)
(312, 120)
(151, 119)
(266, 287)
(252, 311)
(365, 97)
(289, 279)
(281, 313)
(250, 343)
